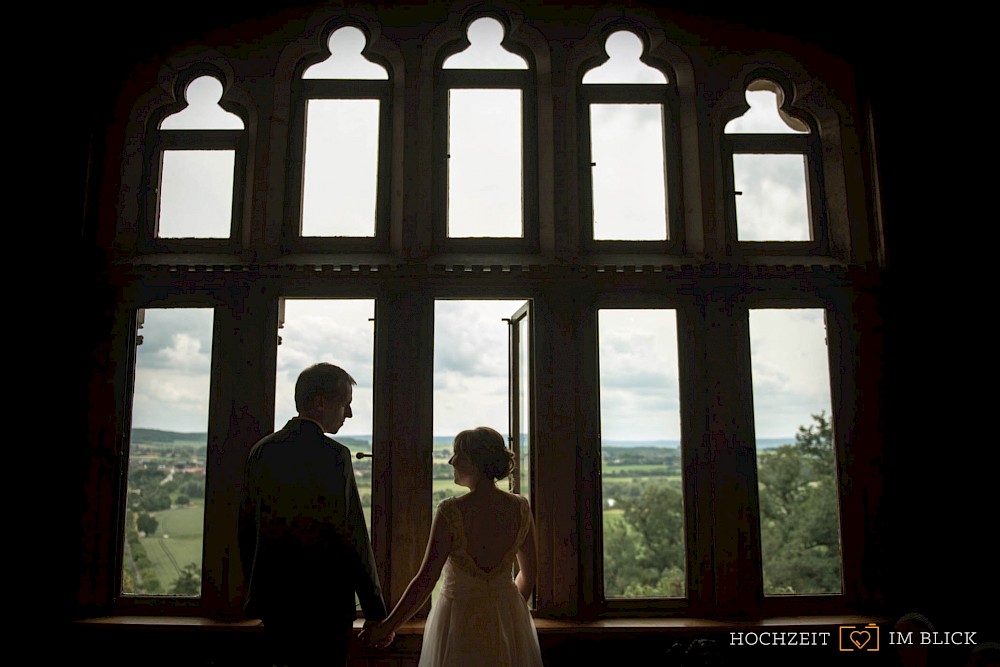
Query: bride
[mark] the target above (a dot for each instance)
(481, 616)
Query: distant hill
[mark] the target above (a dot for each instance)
(641, 443)
(152, 435)
(355, 442)
(762, 443)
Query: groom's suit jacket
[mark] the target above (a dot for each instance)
(302, 535)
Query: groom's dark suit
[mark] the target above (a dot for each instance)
(303, 540)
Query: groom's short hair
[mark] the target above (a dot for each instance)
(321, 379)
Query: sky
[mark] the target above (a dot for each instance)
(638, 360)
(638, 355)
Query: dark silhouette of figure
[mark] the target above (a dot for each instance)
(916, 654)
(302, 534)
(986, 654)
(481, 616)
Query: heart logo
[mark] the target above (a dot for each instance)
(860, 637)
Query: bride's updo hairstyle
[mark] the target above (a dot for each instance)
(485, 448)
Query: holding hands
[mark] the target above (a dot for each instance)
(377, 634)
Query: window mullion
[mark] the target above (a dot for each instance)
(738, 587)
(403, 434)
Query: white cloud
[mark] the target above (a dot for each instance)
(470, 364)
(173, 365)
(484, 167)
(336, 331)
(628, 171)
(638, 368)
(773, 204)
(790, 369)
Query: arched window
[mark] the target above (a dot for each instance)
(773, 176)
(194, 170)
(485, 137)
(338, 190)
(631, 168)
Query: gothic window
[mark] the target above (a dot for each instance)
(195, 170)
(485, 133)
(774, 175)
(338, 197)
(631, 167)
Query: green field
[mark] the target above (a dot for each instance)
(651, 469)
(177, 542)
(179, 535)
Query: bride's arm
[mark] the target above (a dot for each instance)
(526, 564)
(438, 547)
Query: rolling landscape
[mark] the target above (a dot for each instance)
(163, 545)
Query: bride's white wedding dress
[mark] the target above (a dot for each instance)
(479, 617)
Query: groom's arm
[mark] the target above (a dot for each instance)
(366, 581)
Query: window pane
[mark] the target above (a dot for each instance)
(471, 380)
(765, 115)
(772, 200)
(624, 66)
(484, 50)
(484, 166)
(345, 60)
(799, 518)
(341, 168)
(203, 111)
(471, 377)
(642, 493)
(196, 194)
(630, 200)
(165, 505)
(524, 406)
(340, 332)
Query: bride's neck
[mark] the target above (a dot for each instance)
(482, 487)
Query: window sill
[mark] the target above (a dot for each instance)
(563, 642)
(544, 626)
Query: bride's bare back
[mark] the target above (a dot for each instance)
(491, 522)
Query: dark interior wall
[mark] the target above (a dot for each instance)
(940, 510)
(940, 463)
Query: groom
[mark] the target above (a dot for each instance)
(302, 534)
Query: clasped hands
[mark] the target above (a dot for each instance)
(377, 634)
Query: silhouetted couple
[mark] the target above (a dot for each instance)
(306, 551)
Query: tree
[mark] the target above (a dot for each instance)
(139, 477)
(193, 489)
(658, 516)
(188, 581)
(153, 499)
(644, 552)
(621, 558)
(146, 523)
(799, 521)
(816, 443)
